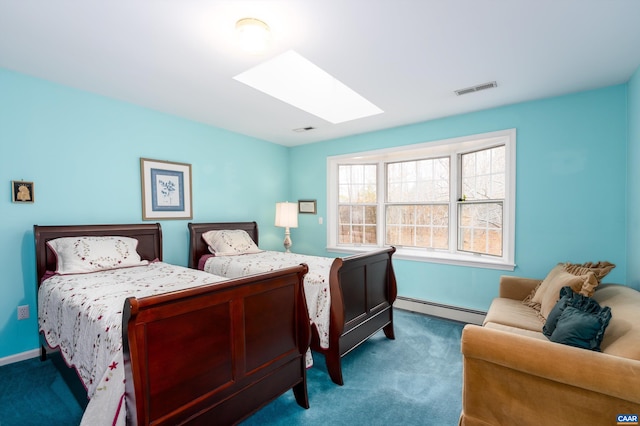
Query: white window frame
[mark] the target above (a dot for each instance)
(450, 147)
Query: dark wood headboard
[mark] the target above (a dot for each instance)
(197, 246)
(149, 236)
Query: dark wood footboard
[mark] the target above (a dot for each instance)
(363, 289)
(216, 354)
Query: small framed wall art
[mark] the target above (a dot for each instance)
(166, 190)
(307, 206)
(22, 192)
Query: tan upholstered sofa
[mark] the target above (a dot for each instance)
(514, 375)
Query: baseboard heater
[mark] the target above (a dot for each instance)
(454, 313)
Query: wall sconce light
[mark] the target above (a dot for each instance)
(254, 35)
(287, 217)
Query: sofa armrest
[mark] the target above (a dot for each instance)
(601, 373)
(515, 379)
(517, 288)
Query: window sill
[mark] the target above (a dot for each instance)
(470, 260)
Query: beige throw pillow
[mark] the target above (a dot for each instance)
(535, 298)
(600, 269)
(558, 275)
(582, 278)
(579, 283)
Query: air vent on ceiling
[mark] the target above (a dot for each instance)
(477, 88)
(303, 129)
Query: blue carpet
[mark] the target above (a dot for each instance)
(34, 393)
(415, 379)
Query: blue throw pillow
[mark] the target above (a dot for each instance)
(581, 329)
(568, 298)
(566, 294)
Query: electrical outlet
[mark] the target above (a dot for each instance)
(23, 312)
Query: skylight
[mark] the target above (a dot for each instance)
(295, 80)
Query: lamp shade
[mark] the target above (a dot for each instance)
(287, 215)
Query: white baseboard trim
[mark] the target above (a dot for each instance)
(19, 357)
(454, 313)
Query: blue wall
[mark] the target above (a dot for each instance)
(570, 202)
(633, 179)
(83, 152)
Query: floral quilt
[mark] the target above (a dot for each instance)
(316, 281)
(81, 315)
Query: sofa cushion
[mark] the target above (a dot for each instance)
(581, 329)
(516, 330)
(622, 337)
(513, 313)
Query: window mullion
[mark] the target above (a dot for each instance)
(455, 192)
(382, 202)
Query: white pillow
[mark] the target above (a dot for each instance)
(230, 242)
(77, 255)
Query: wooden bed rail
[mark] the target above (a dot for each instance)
(218, 353)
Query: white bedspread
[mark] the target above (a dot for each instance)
(82, 315)
(316, 281)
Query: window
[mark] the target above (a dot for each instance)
(480, 210)
(450, 201)
(417, 207)
(357, 204)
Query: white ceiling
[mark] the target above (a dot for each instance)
(405, 56)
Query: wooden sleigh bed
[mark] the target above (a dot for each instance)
(362, 291)
(212, 354)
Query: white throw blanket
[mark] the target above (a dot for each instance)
(82, 315)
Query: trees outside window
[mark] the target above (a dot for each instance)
(449, 201)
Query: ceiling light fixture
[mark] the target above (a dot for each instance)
(253, 34)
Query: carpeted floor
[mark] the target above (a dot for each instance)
(34, 393)
(415, 379)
